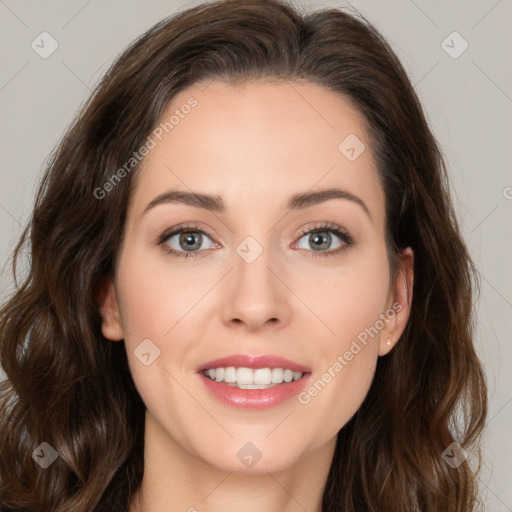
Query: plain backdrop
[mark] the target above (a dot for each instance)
(466, 93)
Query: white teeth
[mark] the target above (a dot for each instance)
(244, 376)
(251, 386)
(219, 374)
(277, 375)
(288, 375)
(247, 378)
(230, 374)
(262, 376)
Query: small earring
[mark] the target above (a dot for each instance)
(388, 342)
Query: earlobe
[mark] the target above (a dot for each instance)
(111, 319)
(401, 302)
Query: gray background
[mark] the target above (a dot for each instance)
(468, 101)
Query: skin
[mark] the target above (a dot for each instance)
(254, 145)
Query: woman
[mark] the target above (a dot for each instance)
(247, 288)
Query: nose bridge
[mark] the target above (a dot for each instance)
(256, 295)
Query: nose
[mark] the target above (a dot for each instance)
(256, 297)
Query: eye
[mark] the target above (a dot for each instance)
(320, 239)
(189, 241)
(185, 241)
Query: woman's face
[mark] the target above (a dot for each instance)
(253, 285)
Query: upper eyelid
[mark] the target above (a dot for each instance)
(168, 233)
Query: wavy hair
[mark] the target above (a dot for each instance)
(70, 387)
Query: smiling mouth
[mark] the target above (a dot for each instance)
(249, 378)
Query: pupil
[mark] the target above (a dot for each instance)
(188, 240)
(321, 236)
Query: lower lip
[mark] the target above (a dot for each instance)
(254, 398)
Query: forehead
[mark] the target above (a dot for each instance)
(259, 141)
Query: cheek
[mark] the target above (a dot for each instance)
(345, 360)
(350, 300)
(159, 303)
(346, 353)
(155, 300)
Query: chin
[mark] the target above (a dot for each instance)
(254, 457)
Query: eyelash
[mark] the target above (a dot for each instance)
(341, 233)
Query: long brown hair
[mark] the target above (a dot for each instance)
(70, 387)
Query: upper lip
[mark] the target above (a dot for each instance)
(253, 361)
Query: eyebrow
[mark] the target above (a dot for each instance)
(215, 203)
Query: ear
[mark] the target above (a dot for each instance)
(111, 324)
(400, 301)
